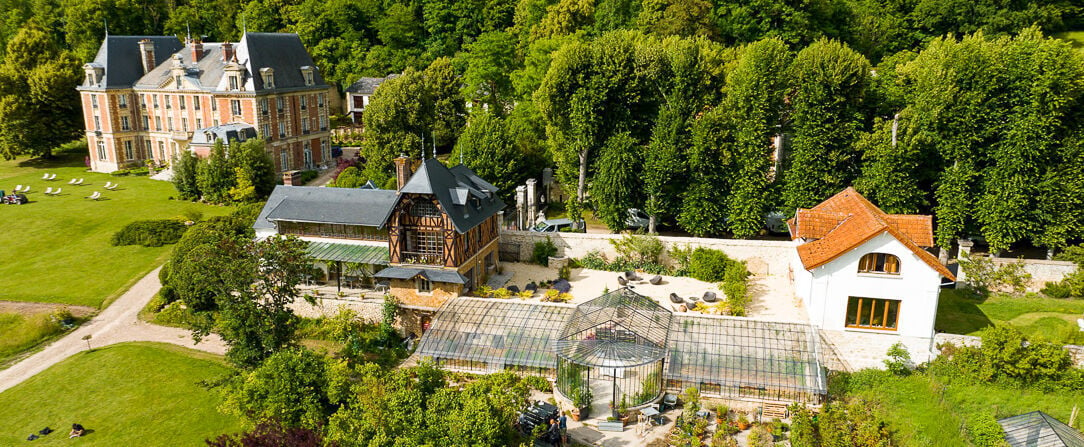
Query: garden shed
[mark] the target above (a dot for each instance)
(623, 344)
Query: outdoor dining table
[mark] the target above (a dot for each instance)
(652, 414)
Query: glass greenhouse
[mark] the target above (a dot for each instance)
(625, 346)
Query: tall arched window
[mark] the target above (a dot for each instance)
(879, 263)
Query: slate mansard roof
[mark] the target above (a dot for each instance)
(350, 206)
(123, 65)
(847, 220)
(225, 132)
(282, 52)
(466, 198)
(366, 86)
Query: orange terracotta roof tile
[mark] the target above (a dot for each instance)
(847, 220)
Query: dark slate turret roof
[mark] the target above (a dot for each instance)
(365, 86)
(123, 64)
(351, 206)
(466, 198)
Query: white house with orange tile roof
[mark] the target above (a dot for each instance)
(859, 269)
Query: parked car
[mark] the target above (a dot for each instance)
(555, 225)
(14, 199)
(636, 219)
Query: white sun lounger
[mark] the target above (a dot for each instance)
(97, 195)
(57, 192)
(49, 190)
(71, 182)
(112, 187)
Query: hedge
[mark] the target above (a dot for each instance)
(150, 233)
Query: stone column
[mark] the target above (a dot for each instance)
(532, 200)
(521, 207)
(965, 252)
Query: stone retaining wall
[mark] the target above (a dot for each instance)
(762, 257)
(1041, 270)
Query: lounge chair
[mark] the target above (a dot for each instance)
(621, 280)
(108, 185)
(710, 297)
(632, 276)
(562, 285)
(52, 177)
(656, 280)
(513, 289)
(18, 188)
(45, 177)
(97, 195)
(78, 182)
(57, 192)
(531, 287)
(48, 190)
(71, 182)
(111, 187)
(26, 189)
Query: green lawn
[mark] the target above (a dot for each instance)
(925, 412)
(1051, 319)
(24, 332)
(128, 394)
(56, 249)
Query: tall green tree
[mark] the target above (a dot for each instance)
(258, 167)
(215, 175)
(616, 185)
(185, 171)
(487, 149)
(39, 110)
(754, 106)
(489, 64)
(828, 88)
(710, 168)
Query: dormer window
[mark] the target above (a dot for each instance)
(235, 83)
(268, 75)
(307, 72)
(879, 263)
(94, 73)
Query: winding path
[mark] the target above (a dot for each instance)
(118, 323)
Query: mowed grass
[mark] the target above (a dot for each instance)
(22, 332)
(56, 248)
(129, 394)
(1038, 317)
(922, 411)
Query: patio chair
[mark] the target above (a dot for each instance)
(562, 285)
(108, 185)
(710, 297)
(674, 298)
(513, 289)
(48, 190)
(52, 177)
(669, 402)
(72, 181)
(621, 280)
(112, 187)
(531, 287)
(95, 196)
(656, 280)
(45, 177)
(26, 189)
(57, 192)
(18, 188)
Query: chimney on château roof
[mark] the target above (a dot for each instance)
(146, 53)
(402, 171)
(227, 52)
(197, 50)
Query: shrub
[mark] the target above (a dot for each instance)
(555, 296)
(708, 264)
(984, 431)
(502, 293)
(176, 314)
(899, 360)
(120, 173)
(1058, 289)
(539, 383)
(985, 276)
(307, 176)
(802, 432)
(760, 437)
(157, 302)
(139, 171)
(640, 249)
(594, 260)
(150, 233)
(564, 272)
(542, 252)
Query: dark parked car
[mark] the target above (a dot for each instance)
(14, 199)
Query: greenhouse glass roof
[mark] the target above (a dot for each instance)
(1038, 429)
(619, 329)
(512, 333)
(624, 330)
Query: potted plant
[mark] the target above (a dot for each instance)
(581, 399)
(623, 410)
(721, 412)
(743, 422)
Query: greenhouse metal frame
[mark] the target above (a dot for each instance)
(728, 357)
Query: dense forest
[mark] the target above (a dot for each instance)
(962, 109)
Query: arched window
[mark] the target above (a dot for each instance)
(879, 263)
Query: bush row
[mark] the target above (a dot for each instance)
(133, 171)
(150, 233)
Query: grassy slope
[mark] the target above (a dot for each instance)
(22, 332)
(1049, 318)
(56, 249)
(161, 405)
(924, 412)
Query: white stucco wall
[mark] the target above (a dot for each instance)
(826, 290)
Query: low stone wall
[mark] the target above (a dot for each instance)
(762, 257)
(1076, 352)
(1041, 270)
